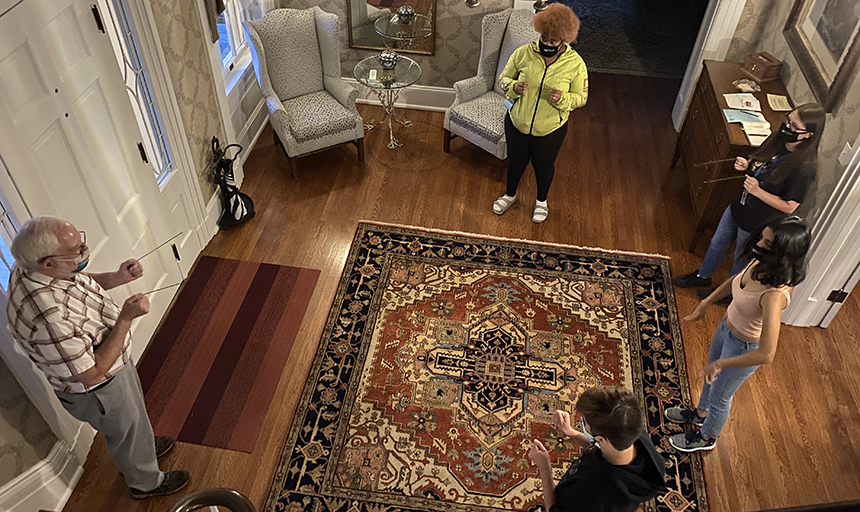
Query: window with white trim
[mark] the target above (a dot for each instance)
(7, 234)
(138, 86)
(231, 41)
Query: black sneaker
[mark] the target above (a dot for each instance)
(691, 442)
(692, 279)
(172, 482)
(163, 444)
(682, 415)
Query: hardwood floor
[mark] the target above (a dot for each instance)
(793, 437)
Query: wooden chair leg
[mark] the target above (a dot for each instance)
(295, 171)
(360, 145)
(446, 143)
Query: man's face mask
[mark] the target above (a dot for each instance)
(81, 260)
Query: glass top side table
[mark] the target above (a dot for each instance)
(395, 27)
(387, 84)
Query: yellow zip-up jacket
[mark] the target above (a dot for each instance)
(534, 113)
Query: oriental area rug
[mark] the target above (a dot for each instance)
(445, 355)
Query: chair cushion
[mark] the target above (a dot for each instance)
(317, 115)
(292, 51)
(484, 116)
(518, 32)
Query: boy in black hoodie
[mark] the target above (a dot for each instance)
(619, 469)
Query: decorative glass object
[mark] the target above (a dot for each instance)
(388, 59)
(405, 14)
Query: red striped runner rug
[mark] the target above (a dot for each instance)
(213, 367)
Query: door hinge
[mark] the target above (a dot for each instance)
(837, 296)
(175, 252)
(97, 15)
(142, 152)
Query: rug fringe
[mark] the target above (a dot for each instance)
(504, 239)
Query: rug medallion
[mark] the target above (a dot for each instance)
(445, 355)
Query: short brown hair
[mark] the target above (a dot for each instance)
(612, 412)
(557, 22)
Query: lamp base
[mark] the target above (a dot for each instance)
(540, 5)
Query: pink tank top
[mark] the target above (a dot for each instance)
(745, 312)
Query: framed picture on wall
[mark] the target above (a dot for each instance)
(823, 35)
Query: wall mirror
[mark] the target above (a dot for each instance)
(406, 26)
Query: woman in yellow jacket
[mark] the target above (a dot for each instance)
(544, 80)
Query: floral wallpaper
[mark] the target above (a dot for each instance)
(184, 45)
(25, 438)
(458, 39)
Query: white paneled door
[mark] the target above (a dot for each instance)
(69, 139)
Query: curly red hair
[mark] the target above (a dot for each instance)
(557, 21)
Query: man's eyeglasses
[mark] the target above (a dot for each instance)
(81, 248)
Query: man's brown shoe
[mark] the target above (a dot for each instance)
(172, 482)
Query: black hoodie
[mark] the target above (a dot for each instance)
(594, 485)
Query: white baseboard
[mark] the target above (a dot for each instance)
(213, 213)
(527, 5)
(48, 484)
(418, 97)
(259, 110)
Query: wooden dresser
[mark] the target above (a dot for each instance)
(706, 136)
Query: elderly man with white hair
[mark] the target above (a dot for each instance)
(79, 338)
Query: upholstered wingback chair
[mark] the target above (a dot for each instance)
(297, 62)
(478, 112)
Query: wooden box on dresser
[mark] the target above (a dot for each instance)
(706, 137)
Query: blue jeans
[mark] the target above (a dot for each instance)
(726, 233)
(717, 397)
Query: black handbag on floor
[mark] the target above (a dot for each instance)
(238, 207)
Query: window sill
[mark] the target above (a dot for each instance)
(233, 77)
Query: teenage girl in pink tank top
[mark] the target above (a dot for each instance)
(748, 335)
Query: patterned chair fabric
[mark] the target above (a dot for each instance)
(317, 115)
(297, 63)
(478, 113)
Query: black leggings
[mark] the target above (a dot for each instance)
(542, 152)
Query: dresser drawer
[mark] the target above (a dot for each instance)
(700, 148)
(696, 143)
(700, 193)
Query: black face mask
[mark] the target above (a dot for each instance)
(787, 134)
(759, 252)
(548, 51)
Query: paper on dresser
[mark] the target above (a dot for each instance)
(778, 103)
(743, 101)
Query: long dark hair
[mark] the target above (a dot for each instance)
(813, 117)
(785, 263)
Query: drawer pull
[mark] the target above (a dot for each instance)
(719, 138)
(698, 191)
(695, 114)
(686, 140)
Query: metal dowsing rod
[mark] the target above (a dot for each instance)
(715, 161)
(726, 179)
(164, 287)
(159, 246)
